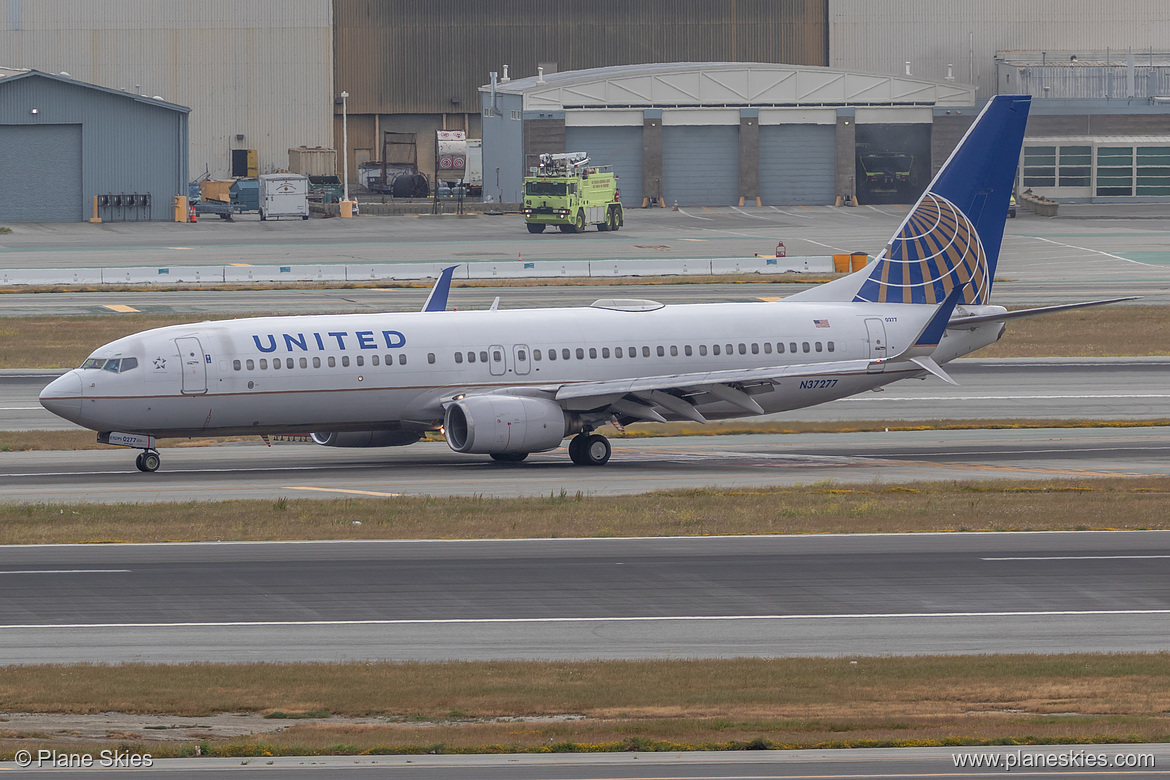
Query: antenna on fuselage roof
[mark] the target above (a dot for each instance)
(437, 300)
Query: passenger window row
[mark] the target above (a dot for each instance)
(331, 362)
(551, 354)
(742, 348)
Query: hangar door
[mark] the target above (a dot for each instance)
(41, 179)
(797, 164)
(620, 147)
(700, 165)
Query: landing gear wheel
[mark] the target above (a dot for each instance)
(509, 457)
(579, 223)
(575, 445)
(138, 462)
(589, 450)
(148, 461)
(535, 227)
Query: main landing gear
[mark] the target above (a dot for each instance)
(589, 449)
(148, 460)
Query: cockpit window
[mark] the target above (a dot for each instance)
(113, 365)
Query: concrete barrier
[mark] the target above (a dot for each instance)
(147, 276)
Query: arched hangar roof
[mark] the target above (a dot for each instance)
(715, 84)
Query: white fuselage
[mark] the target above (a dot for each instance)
(397, 370)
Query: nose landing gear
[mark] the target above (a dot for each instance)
(589, 449)
(148, 461)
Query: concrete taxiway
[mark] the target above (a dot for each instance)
(587, 598)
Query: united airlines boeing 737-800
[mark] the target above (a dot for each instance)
(508, 383)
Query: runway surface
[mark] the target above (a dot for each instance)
(923, 763)
(587, 598)
(251, 470)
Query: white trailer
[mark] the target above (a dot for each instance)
(284, 195)
(474, 174)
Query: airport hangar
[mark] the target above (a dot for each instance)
(64, 143)
(268, 80)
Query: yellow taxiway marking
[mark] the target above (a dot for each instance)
(240, 265)
(768, 299)
(342, 490)
(120, 307)
(1021, 469)
(692, 239)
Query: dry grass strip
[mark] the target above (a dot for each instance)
(64, 341)
(622, 705)
(1091, 504)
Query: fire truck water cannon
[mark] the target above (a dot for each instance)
(566, 162)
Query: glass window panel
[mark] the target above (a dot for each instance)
(1147, 176)
(1113, 155)
(1153, 190)
(1039, 155)
(1153, 155)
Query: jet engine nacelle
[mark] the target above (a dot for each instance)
(492, 424)
(366, 438)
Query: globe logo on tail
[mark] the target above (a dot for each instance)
(936, 249)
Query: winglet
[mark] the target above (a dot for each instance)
(437, 300)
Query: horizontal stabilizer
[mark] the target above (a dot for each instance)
(963, 322)
(934, 368)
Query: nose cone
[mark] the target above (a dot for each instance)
(63, 396)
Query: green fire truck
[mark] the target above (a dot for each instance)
(566, 191)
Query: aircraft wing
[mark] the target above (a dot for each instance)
(677, 393)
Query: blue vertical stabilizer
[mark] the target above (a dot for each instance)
(953, 234)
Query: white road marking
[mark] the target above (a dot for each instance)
(69, 571)
(1076, 558)
(1094, 251)
(615, 619)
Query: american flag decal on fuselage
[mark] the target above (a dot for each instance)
(936, 249)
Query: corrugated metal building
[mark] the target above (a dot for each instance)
(721, 133)
(64, 142)
(257, 74)
(415, 67)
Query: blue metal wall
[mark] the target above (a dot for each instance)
(127, 145)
